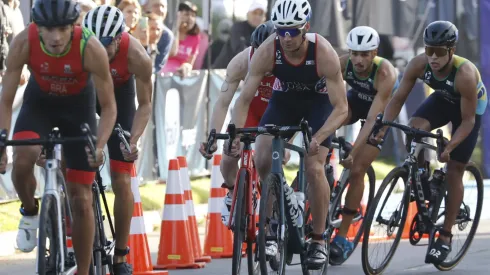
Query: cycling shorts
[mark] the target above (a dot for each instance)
(126, 108)
(287, 109)
(256, 111)
(439, 110)
(41, 112)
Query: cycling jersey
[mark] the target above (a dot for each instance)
(60, 94)
(294, 95)
(59, 74)
(261, 100)
(444, 106)
(119, 65)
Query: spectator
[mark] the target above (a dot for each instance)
(223, 31)
(240, 34)
(132, 12)
(186, 43)
(203, 45)
(159, 7)
(86, 6)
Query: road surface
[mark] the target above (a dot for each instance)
(407, 260)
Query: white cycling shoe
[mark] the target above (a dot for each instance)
(27, 234)
(226, 206)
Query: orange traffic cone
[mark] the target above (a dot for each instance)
(175, 250)
(191, 220)
(139, 254)
(412, 211)
(219, 241)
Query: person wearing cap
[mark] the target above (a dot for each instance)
(186, 43)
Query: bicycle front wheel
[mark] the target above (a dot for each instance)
(48, 250)
(387, 220)
(239, 223)
(98, 247)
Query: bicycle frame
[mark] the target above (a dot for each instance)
(246, 165)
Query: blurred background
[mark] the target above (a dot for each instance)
(191, 43)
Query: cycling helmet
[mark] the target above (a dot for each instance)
(261, 33)
(363, 38)
(441, 33)
(290, 13)
(106, 22)
(55, 13)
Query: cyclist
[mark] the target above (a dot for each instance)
(459, 97)
(63, 59)
(372, 81)
(292, 56)
(129, 65)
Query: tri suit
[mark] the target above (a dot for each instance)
(125, 93)
(262, 96)
(444, 106)
(59, 93)
(294, 96)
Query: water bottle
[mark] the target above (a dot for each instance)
(294, 201)
(435, 183)
(329, 173)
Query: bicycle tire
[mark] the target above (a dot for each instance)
(99, 267)
(239, 226)
(446, 266)
(397, 172)
(278, 265)
(336, 202)
(48, 220)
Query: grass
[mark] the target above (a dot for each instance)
(153, 195)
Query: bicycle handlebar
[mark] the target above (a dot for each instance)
(343, 146)
(53, 139)
(123, 135)
(410, 131)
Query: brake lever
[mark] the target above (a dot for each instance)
(377, 125)
(211, 139)
(232, 133)
(122, 136)
(90, 138)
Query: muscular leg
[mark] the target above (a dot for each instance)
(23, 175)
(229, 170)
(123, 209)
(455, 193)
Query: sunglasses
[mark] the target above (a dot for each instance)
(291, 32)
(107, 40)
(440, 52)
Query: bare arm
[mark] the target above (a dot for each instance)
(261, 63)
(235, 72)
(97, 63)
(139, 63)
(174, 50)
(336, 89)
(385, 81)
(414, 68)
(466, 84)
(343, 63)
(17, 57)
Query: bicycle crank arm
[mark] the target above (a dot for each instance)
(336, 223)
(70, 271)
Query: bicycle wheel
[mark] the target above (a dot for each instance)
(239, 223)
(358, 221)
(394, 219)
(269, 228)
(464, 218)
(49, 254)
(98, 246)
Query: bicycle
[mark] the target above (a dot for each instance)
(337, 189)
(244, 202)
(428, 202)
(55, 208)
(289, 229)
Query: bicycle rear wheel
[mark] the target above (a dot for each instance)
(335, 215)
(239, 223)
(48, 253)
(390, 220)
(270, 229)
(464, 217)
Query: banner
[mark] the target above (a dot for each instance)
(485, 72)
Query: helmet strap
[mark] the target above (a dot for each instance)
(304, 38)
(448, 62)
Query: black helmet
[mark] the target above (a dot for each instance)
(441, 33)
(261, 33)
(55, 13)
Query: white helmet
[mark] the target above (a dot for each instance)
(105, 21)
(363, 38)
(290, 13)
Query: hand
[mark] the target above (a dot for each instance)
(131, 155)
(41, 160)
(99, 157)
(184, 70)
(235, 148)
(444, 157)
(377, 139)
(314, 147)
(347, 162)
(287, 156)
(212, 149)
(3, 163)
(24, 77)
